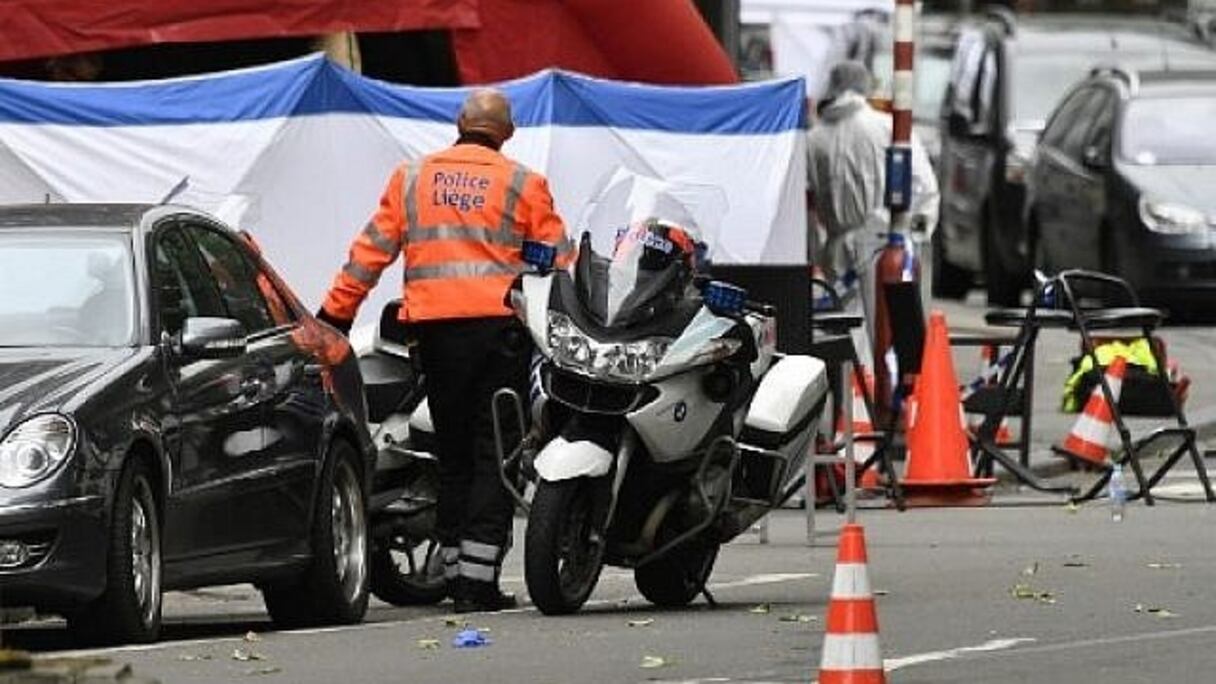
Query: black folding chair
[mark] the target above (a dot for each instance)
(1101, 302)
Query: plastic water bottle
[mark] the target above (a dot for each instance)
(1118, 493)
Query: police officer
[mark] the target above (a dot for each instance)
(460, 216)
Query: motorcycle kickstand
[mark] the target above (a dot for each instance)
(709, 597)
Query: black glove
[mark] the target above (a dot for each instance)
(343, 326)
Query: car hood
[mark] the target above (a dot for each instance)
(34, 380)
(1189, 185)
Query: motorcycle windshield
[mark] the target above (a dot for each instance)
(642, 240)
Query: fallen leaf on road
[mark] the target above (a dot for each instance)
(245, 656)
(1165, 566)
(1025, 591)
(1075, 564)
(429, 644)
(652, 662)
(798, 617)
(1031, 569)
(881, 592)
(263, 671)
(1071, 507)
(761, 609)
(252, 636)
(644, 622)
(192, 657)
(454, 622)
(1163, 613)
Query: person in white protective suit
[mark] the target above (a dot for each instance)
(847, 176)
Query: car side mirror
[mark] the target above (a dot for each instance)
(212, 338)
(1094, 158)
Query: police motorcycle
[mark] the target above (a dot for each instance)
(670, 424)
(406, 563)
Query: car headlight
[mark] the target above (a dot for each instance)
(34, 449)
(628, 361)
(1171, 218)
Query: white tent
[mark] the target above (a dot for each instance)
(298, 153)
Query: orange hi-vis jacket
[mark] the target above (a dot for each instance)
(460, 216)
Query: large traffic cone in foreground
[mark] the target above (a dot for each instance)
(1091, 433)
(863, 449)
(938, 472)
(851, 651)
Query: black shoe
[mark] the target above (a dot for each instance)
(484, 599)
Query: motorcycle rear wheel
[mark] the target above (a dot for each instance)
(675, 580)
(562, 563)
(408, 573)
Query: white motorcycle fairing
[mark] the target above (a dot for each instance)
(787, 394)
(562, 460)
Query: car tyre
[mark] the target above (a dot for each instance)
(334, 588)
(949, 281)
(129, 609)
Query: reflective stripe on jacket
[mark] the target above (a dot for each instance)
(460, 216)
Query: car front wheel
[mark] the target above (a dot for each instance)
(334, 589)
(129, 610)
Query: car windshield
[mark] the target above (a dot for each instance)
(640, 243)
(1169, 130)
(66, 288)
(1040, 80)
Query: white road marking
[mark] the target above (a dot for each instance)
(892, 664)
(754, 580)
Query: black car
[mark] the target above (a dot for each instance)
(1008, 75)
(170, 417)
(1123, 183)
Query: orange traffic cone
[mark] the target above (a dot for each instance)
(938, 471)
(1090, 434)
(863, 449)
(851, 651)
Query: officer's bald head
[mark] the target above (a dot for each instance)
(487, 112)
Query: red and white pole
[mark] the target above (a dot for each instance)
(897, 267)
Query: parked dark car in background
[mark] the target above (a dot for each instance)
(170, 417)
(1124, 181)
(1008, 75)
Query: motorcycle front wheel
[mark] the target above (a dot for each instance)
(562, 559)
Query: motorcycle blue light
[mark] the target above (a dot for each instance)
(539, 255)
(724, 299)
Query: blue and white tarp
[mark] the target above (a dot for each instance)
(298, 153)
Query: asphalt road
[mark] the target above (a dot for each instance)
(1114, 602)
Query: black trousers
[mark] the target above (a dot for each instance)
(465, 362)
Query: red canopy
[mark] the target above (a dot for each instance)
(658, 41)
(43, 28)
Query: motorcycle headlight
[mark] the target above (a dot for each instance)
(34, 449)
(628, 361)
(1170, 218)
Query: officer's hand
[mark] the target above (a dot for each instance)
(342, 325)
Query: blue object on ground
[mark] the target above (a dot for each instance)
(470, 638)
